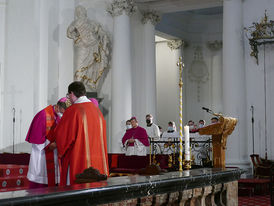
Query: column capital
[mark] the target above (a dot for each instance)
(151, 16)
(117, 7)
(215, 45)
(175, 44)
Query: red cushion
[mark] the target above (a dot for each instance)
(114, 160)
(122, 170)
(17, 159)
(133, 162)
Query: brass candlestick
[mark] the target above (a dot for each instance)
(180, 64)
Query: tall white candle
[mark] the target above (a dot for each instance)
(187, 146)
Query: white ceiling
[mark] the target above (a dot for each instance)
(181, 17)
(185, 23)
(168, 6)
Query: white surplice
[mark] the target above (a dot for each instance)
(138, 149)
(153, 131)
(38, 167)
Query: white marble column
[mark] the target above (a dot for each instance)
(40, 81)
(121, 93)
(234, 91)
(2, 64)
(216, 75)
(65, 67)
(150, 19)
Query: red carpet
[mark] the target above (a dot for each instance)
(263, 200)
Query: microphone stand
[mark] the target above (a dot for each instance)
(13, 129)
(213, 113)
(252, 122)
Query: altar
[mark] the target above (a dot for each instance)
(207, 186)
(201, 148)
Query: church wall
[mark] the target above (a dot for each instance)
(20, 69)
(37, 44)
(56, 50)
(52, 38)
(203, 76)
(2, 64)
(167, 80)
(254, 12)
(198, 93)
(205, 91)
(37, 64)
(211, 94)
(211, 90)
(65, 49)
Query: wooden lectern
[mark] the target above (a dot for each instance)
(219, 132)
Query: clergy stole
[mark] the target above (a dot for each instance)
(50, 123)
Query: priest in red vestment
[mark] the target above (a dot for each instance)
(135, 139)
(80, 137)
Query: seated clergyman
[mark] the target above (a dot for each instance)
(169, 136)
(135, 139)
(152, 129)
(171, 131)
(192, 127)
(201, 123)
(214, 120)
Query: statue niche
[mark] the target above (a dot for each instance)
(91, 49)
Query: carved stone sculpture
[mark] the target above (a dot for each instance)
(91, 49)
(175, 44)
(118, 7)
(198, 71)
(151, 16)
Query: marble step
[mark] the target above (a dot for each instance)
(14, 189)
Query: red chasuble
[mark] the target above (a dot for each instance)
(81, 141)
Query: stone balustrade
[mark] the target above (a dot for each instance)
(220, 194)
(207, 186)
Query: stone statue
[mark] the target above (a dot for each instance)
(91, 48)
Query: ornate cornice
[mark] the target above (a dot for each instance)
(117, 7)
(215, 45)
(151, 16)
(175, 44)
(198, 71)
(260, 33)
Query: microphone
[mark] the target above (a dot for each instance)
(206, 109)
